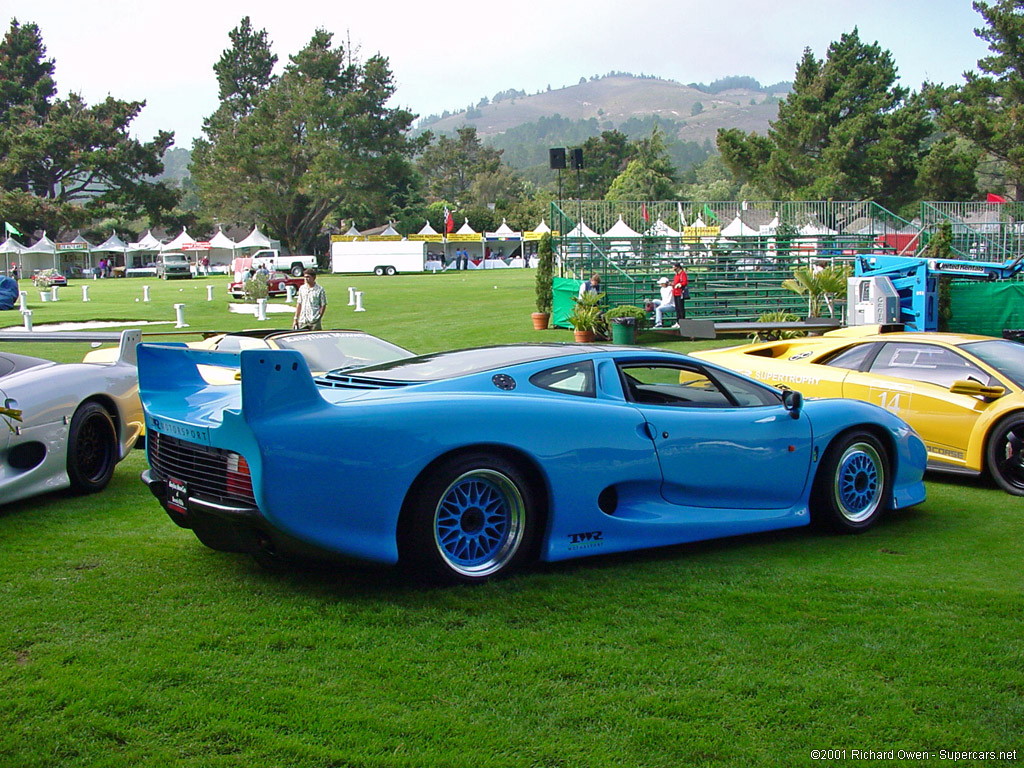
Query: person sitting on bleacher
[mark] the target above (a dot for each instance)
(663, 303)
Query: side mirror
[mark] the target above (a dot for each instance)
(793, 402)
(976, 389)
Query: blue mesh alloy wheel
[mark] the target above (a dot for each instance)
(479, 523)
(859, 482)
(852, 487)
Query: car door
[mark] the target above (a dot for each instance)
(912, 380)
(722, 441)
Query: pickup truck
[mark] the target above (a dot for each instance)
(272, 259)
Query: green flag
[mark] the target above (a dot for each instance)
(10, 229)
(709, 214)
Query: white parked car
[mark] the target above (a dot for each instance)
(66, 425)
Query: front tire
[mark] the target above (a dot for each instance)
(92, 449)
(378, 271)
(390, 271)
(473, 518)
(852, 486)
(1004, 454)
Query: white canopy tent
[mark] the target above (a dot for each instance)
(427, 230)
(505, 244)
(582, 230)
(256, 239)
(738, 228)
(10, 248)
(660, 229)
(222, 250)
(40, 255)
(179, 242)
(114, 244)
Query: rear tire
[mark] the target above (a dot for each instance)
(852, 486)
(297, 270)
(378, 271)
(1004, 454)
(92, 448)
(390, 271)
(473, 518)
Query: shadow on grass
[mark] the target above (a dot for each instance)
(352, 580)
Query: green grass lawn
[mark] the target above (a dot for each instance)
(125, 642)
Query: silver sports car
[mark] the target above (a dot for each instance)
(66, 425)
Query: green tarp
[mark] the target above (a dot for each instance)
(563, 291)
(986, 308)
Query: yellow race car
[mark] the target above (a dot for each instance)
(963, 394)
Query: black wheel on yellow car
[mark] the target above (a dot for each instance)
(852, 484)
(1004, 454)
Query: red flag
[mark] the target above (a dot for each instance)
(449, 222)
(996, 199)
(644, 213)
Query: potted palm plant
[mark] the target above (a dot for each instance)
(545, 259)
(586, 318)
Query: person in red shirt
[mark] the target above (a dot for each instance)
(680, 291)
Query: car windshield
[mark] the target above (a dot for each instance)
(329, 350)
(448, 365)
(1007, 357)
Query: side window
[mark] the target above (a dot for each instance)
(575, 379)
(926, 363)
(852, 357)
(682, 386)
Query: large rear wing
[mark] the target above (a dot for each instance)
(126, 340)
(273, 381)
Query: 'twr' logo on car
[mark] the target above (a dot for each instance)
(589, 538)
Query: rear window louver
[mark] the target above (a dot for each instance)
(341, 381)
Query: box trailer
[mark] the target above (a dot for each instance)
(380, 258)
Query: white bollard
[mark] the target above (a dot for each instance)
(359, 301)
(85, 293)
(53, 294)
(261, 309)
(95, 274)
(145, 293)
(351, 296)
(27, 314)
(209, 293)
(23, 300)
(180, 310)
(290, 293)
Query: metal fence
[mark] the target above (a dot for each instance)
(737, 254)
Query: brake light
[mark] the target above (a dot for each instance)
(239, 478)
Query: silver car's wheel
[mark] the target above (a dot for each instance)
(92, 448)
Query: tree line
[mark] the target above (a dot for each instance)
(316, 147)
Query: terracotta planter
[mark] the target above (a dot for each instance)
(584, 337)
(540, 320)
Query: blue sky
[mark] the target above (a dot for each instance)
(448, 55)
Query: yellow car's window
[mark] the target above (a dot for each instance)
(927, 363)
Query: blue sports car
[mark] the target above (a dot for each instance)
(468, 464)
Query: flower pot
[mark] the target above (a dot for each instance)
(44, 296)
(584, 337)
(540, 320)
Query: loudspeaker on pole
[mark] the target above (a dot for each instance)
(556, 156)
